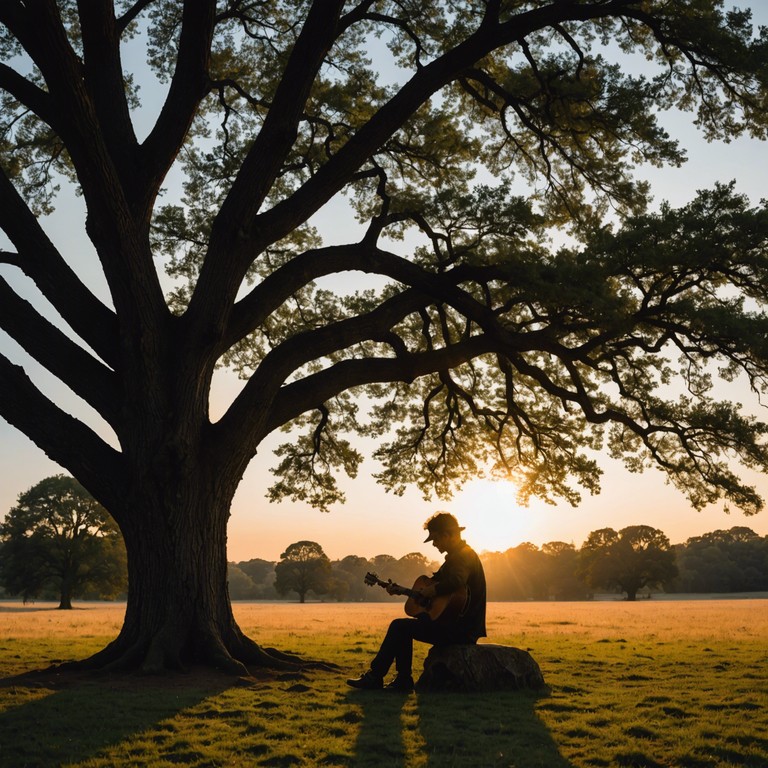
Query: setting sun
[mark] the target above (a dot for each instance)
(493, 518)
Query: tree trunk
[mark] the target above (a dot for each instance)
(631, 590)
(178, 610)
(65, 591)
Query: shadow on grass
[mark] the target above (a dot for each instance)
(467, 730)
(499, 728)
(25, 608)
(380, 738)
(75, 719)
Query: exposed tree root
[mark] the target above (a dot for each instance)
(164, 653)
(253, 654)
(301, 662)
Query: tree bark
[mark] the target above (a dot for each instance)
(631, 589)
(178, 611)
(65, 593)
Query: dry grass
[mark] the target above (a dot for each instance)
(36, 619)
(653, 684)
(695, 619)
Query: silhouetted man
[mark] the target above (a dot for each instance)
(462, 570)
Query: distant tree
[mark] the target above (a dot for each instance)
(498, 576)
(527, 564)
(58, 537)
(384, 565)
(303, 567)
(527, 572)
(257, 569)
(409, 567)
(262, 574)
(517, 574)
(339, 586)
(596, 564)
(355, 565)
(351, 569)
(241, 585)
(637, 556)
(561, 571)
(735, 560)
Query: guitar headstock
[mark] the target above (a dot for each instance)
(371, 579)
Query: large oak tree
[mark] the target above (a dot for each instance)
(477, 343)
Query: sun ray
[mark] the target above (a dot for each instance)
(493, 518)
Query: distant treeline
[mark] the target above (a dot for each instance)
(734, 560)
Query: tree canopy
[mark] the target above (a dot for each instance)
(637, 556)
(59, 539)
(523, 304)
(303, 568)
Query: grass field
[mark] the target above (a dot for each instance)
(648, 684)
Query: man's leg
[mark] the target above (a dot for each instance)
(397, 647)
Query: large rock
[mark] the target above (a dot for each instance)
(484, 667)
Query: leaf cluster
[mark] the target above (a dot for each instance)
(303, 567)
(637, 556)
(468, 139)
(58, 537)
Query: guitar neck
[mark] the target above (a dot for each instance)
(398, 590)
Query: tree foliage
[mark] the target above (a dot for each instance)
(462, 135)
(735, 560)
(637, 556)
(59, 539)
(303, 567)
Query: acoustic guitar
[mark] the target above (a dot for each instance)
(443, 608)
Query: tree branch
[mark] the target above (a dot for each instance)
(364, 257)
(132, 13)
(27, 93)
(240, 233)
(103, 74)
(300, 396)
(64, 439)
(277, 135)
(82, 373)
(330, 178)
(106, 181)
(40, 260)
(247, 415)
(189, 85)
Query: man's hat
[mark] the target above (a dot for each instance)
(440, 522)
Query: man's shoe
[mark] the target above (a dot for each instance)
(368, 681)
(401, 683)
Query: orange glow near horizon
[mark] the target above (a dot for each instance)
(492, 516)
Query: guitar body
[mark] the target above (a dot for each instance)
(443, 608)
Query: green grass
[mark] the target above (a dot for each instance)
(624, 690)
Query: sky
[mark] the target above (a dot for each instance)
(374, 522)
